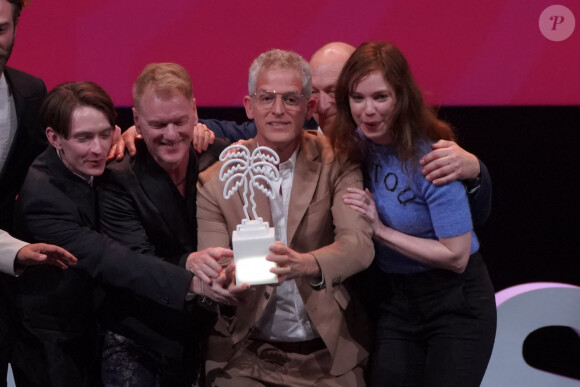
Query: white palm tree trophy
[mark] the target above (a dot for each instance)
(252, 238)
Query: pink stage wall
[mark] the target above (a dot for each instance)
(462, 52)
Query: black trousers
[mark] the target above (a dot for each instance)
(127, 363)
(435, 328)
(6, 328)
(57, 333)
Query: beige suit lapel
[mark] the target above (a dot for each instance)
(304, 185)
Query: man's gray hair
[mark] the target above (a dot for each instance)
(282, 60)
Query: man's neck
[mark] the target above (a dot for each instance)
(283, 151)
(179, 173)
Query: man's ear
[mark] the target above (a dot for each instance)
(53, 138)
(136, 120)
(310, 104)
(248, 106)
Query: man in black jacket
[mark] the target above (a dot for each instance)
(57, 204)
(147, 203)
(21, 140)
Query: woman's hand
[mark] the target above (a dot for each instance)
(363, 203)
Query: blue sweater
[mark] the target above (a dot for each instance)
(407, 202)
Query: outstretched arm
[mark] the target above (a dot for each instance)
(15, 255)
(42, 253)
(232, 130)
(449, 162)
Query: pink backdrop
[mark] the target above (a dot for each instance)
(462, 52)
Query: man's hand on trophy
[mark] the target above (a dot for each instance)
(213, 292)
(292, 264)
(227, 280)
(204, 264)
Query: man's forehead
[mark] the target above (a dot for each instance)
(280, 78)
(161, 93)
(5, 11)
(326, 74)
(82, 128)
(89, 130)
(152, 98)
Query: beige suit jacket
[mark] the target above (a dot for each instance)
(319, 223)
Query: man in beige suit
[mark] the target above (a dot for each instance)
(301, 331)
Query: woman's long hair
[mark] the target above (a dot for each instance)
(413, 119)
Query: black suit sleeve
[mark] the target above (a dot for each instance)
(29, 139)
(232, 130)
(52, 217)
(480, 199)
(118, 218)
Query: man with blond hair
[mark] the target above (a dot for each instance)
(147, 203)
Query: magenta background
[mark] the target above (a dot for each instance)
(461, 52)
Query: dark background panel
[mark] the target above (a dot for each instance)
(533, 232)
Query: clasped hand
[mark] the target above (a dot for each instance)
(211, 278)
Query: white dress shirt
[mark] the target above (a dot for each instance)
(285, 317)
(8, 122)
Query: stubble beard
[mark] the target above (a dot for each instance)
(4, 56)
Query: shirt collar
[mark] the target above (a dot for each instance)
(89, 180)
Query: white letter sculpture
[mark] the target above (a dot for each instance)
(252, 238)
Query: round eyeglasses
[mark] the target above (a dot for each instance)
(292, 100)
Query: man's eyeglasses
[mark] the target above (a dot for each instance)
(292, 100)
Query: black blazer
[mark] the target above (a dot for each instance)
(480, 200)
(140, 207)
(55, 306)
(29, 140)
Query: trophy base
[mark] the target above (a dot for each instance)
(251, 244)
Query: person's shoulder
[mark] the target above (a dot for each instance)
(42, 163)
(20, 79)
(212, 154)
(115, 168)
(423, 147)
(43, 177)
(116, 173)
(124, 168)
(211, 173)
(318, 146)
